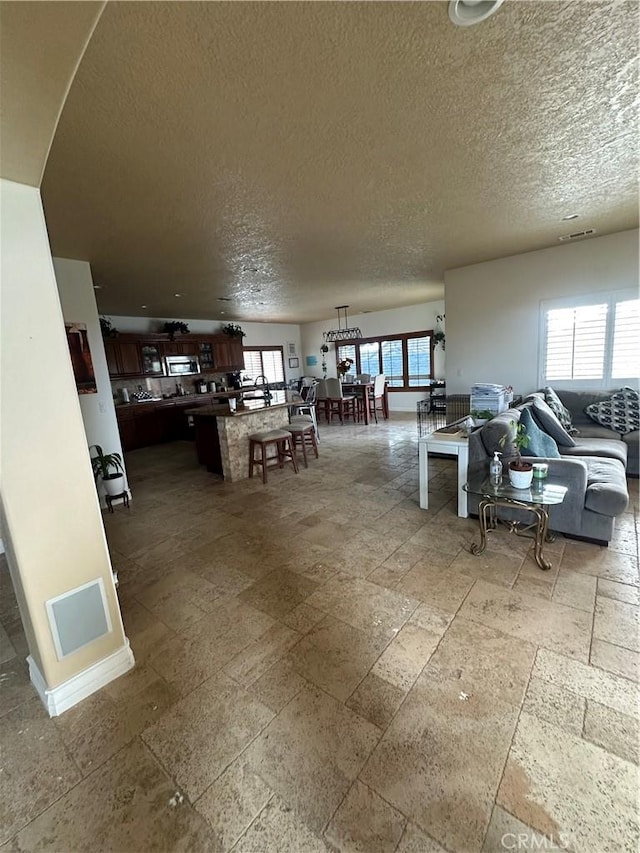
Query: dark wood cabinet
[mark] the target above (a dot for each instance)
(228, 353)
(123, 358)
(180, 348)
(143, 355)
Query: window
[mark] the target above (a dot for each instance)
(406, 359)
(264, 361)
(591, 341)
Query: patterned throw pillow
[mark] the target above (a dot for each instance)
(559, 409)
(621, 412)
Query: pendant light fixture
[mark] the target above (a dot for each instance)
(342, 334)
(465, 13)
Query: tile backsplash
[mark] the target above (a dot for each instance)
(159, 386)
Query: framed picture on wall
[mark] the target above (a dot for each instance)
(294, 362)
(291, 349)
(81, 358)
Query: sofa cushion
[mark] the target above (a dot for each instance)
(621, 412)
(540, 443)
(606, 486)
(559, 409)
(493, 431)
(632, 441)
(550, 423)
(605, 448)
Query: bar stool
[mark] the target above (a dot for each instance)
(303, 433)
(283, 442)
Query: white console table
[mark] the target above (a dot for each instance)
(458, 446)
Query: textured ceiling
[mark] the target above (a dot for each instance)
(346, 152)
(35, 82)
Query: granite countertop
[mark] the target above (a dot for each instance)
(278, 401)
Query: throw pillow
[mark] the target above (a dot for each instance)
(621, 412)
(559, 409)
(550, 424)
(540, 444)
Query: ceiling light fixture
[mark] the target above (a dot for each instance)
(570, 216)
(465, 13)
(340, 334)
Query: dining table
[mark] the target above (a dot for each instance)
(365, 390)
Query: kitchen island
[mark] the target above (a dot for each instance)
(222, 436)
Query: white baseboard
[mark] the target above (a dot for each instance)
(59, 699)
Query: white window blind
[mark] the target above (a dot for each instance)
(625, 360)
(419, 360)
(392, 363)
(348, 351)
(252, 363)
(370, 358)
(264, 362)
(575, 342)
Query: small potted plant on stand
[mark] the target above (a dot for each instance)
(102, 464)
(520, 472)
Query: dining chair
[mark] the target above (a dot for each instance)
(304, 410)
(363, 377)
(338, 403)
(376, 395)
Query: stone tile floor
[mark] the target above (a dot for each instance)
(321, 665)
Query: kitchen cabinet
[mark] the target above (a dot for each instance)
(123, 358)
(143, 355)
(180, 348)
(151, 360)
(228, 353)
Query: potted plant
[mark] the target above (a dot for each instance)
(439, 338)
(107, 328)
(102, 464)
(520, 472)
(233, 330)
(324, 349)
(481, 416)
(175, 327)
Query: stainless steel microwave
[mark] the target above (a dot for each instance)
(181, 365)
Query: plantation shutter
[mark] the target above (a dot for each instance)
(575, 342)
(252, 363)
(272, 365)
(625, 361)
(419, 360)
(392, 363)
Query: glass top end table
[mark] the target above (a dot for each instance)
(535, 500)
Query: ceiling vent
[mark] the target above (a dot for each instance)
(465, 13)
(578, 235)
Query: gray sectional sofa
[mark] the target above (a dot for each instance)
(576, 402)
(595, 469)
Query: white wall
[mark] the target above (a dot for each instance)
(493, 309)
(257, 334)
(52, 523)
(77, 298)
(414, 318)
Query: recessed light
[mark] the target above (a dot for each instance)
(570, 216)
(97, 287)
(143, 306)
(224, 299)
(249, 269)
(177, 295)
(222, 312)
